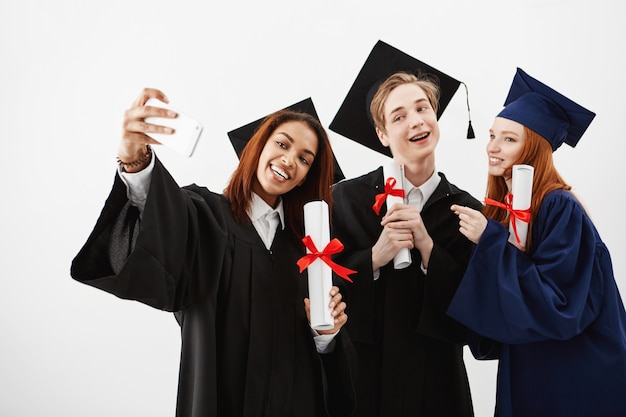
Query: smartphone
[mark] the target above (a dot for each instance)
(186, 134)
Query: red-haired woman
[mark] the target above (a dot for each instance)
(550, 311)
(226, 264)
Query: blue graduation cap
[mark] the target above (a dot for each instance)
(545, 111)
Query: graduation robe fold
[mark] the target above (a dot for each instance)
(247, 348)
(410, 352)
(553, 316)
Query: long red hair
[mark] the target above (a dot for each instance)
(536, 152)
(317, 185)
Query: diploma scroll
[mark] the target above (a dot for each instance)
(394, 170)
(522, 191)
(320, 275)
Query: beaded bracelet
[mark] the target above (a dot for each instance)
(140, 161)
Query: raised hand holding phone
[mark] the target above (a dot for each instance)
(186, 134)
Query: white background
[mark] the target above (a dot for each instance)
(69, 69)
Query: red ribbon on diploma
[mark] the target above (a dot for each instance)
(333, 247)
(523, 215)
(389, 190)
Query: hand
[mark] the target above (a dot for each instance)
(405, 223)
(472, 223)
(338, 313)
(134, 138)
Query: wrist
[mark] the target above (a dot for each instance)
(375, 263)
(425, 250)
(137, 161)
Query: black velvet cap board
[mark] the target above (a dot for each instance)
(239, 137)
(353, 119)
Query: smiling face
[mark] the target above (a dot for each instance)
(411, 129)
(285, 160)
(506, 142)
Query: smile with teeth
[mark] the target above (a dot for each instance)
(494, 160)
(278, 171)
(419, 137)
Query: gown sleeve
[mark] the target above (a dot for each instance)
(158, 263)
(444, 274)
(353, 225)
(552, 293)
(447, 264)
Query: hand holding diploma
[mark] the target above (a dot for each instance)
(517, 203)
(337, 308)
(396, 173)
(473, 223)
(319, 264)
(522, 192)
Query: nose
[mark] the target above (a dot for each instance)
(416, 119)
(493, 145)
(288, 158)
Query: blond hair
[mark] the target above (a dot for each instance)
(425, 82)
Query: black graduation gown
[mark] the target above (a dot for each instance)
(247, 348)
(410, 352)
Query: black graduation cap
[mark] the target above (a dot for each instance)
(239, 137)
(546, 111)
(353, 120)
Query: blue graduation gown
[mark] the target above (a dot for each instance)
(554, 314)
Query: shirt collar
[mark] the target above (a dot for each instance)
(259, 208)
(427, 189)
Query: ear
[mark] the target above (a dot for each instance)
(382, 137)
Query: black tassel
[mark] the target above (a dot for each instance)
(470, 129)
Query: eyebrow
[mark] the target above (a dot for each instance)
(293, 141)
(415, 102)
(508, 133)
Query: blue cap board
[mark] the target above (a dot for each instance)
(545, 111)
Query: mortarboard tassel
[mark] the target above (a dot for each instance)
(470, 129)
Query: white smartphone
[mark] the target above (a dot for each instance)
(186, 134)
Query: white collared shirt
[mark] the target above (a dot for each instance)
(418, 196)
(137, 184)
(265, 219)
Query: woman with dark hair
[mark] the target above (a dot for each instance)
(227, 266)
(245, 179)
(549, 309)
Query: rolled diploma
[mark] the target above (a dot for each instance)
(320, 276)
(402, 258)
(522, 190)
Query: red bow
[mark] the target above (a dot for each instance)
(389, 190)
(333, 247)
(522, 215)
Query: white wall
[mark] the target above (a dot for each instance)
(68, 70)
